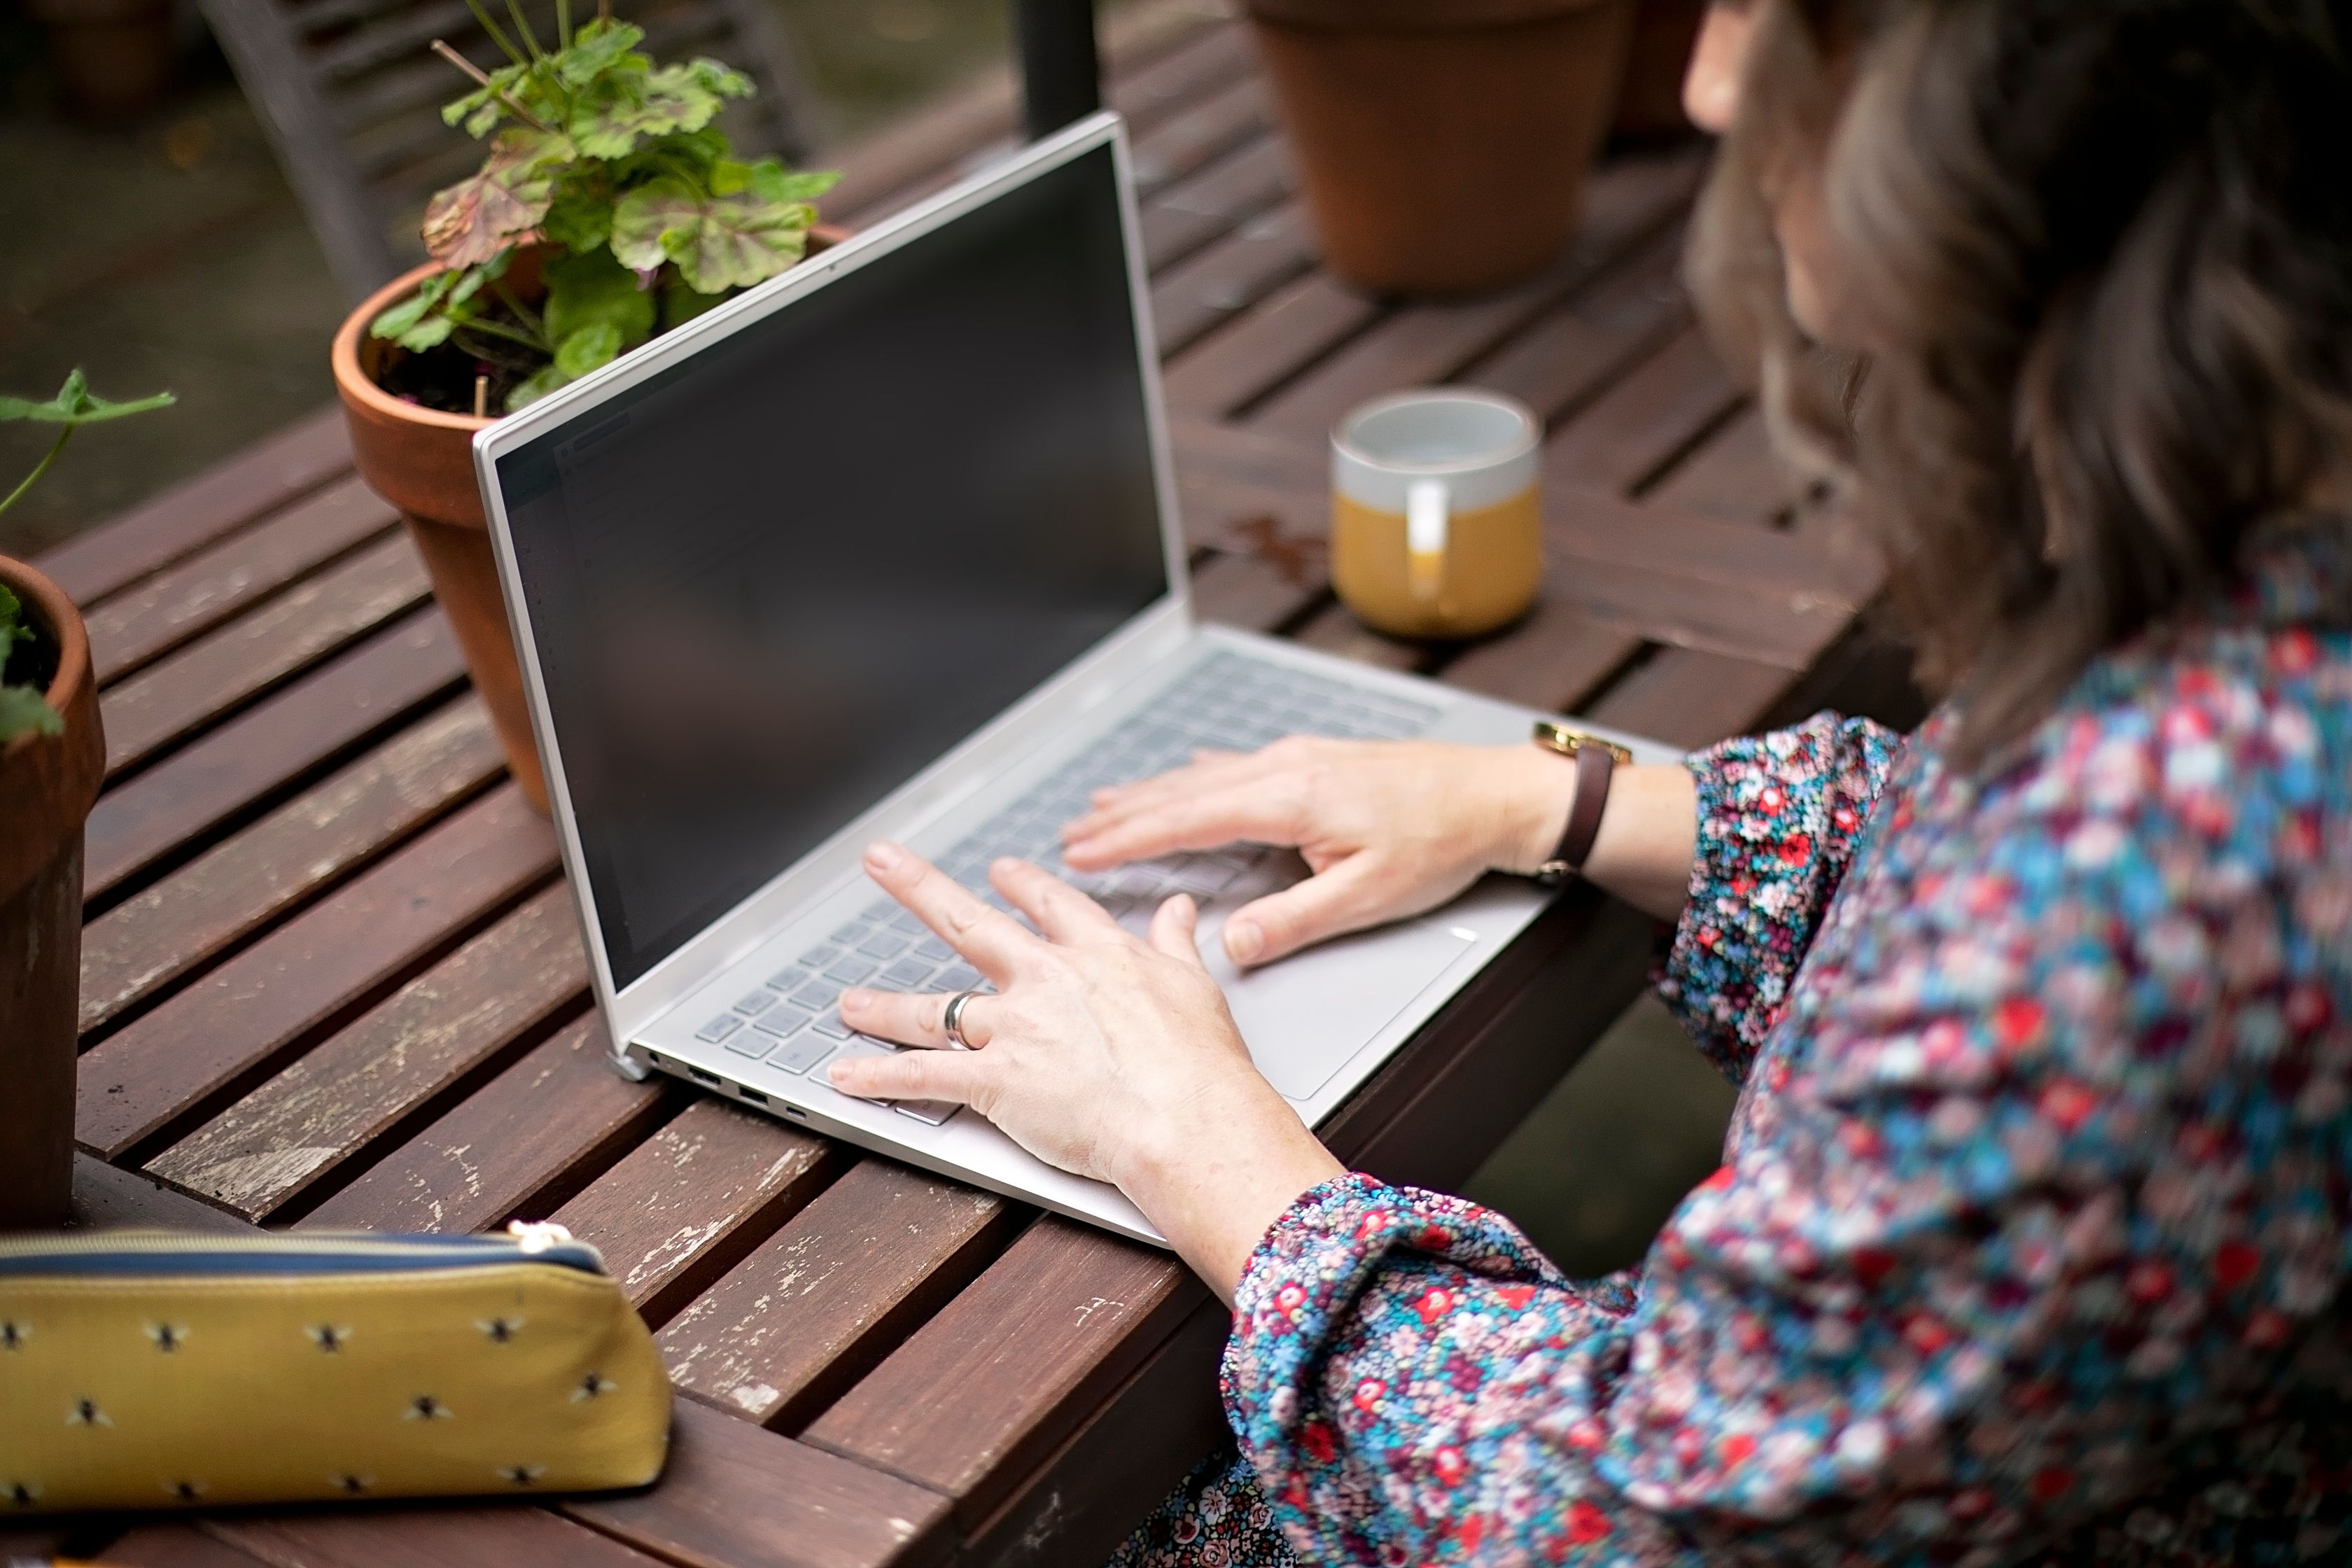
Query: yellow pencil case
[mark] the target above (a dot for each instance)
(143, 1369)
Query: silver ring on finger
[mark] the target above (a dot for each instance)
(951, 1021)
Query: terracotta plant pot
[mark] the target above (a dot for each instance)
(113, 57)
(1442, 143)
(48, 783)
(1650, 103)
(422, 461)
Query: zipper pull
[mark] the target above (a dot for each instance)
(537, 1235)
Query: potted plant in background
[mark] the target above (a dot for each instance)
(609, 209)
(52, 759)
(1442, 143)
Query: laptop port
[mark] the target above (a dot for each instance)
(795, 1112)
(706, 1074)
(753, 1095)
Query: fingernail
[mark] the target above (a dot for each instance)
(834, 1075)
(854, 997)
(883, 856)
(1243, 941)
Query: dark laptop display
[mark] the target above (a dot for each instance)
(770, 587)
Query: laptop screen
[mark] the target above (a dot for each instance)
(775, 582)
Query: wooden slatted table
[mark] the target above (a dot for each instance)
(332, 977)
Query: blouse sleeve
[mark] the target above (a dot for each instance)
(1779, 818)
(2036, 1184)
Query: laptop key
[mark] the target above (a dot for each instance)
(719, 1028)
(907, 973)
(831, 1025)
(908, 921)
(750, 1043)
(883, 944)
(930, 1112)
(816, 996)
(785, 1022)
(935, 950)
(880, 910)
(958, 977)
(797, 1056)
(818, 957)
(757, 1003)
(849, 935)
(849, 971)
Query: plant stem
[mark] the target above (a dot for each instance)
(523, 313)
(563, 23)
(40, 467)
(522, 28)
(497, 36)
(513, 335)
(481, 78)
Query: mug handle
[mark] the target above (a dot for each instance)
(1426, 505)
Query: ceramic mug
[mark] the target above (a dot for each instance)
(1437, 529)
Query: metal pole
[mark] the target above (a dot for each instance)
(1061, 74)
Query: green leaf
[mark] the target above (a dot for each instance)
(417, 323)
(719, 243)
(23, 711)
(592, 347)
(772, 181)
(595, 49)
(681, 304)
(546, 379)
(579, 218)
(12, 629)
(595, 289)
(500, 205)
(74, 405)
(673, 98)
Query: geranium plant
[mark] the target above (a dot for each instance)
(25, 658)
(613, 163)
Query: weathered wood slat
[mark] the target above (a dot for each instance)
(1556, 659)
(1180, 218)
(1640, 423)
(213, 1039)
(265, 476)
(734, 1495)
(179, 694)
(992, 1385)
(1423, 344)
(108, 1197)
(311, 841)
(1233, 116)
(174, 1546)
(1089, 1494)
(1336, 629)
(182, 601)
(1250, 592)
(1216, 284)
(1692, 698)
(517, 1147)
(426, 1537)
(685, 1206)
(822, 1301)
(1561, 361)
(415, 1047)
(1736, 475)
(175, 803)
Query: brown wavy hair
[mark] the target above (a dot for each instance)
(2104, 251)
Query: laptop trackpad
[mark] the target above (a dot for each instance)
(1305, 1016)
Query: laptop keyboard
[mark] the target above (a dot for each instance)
(792, 1024)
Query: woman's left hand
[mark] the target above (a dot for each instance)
(1100, 1053)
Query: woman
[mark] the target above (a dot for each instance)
(2034, 1210)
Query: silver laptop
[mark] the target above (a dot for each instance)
(888, 546)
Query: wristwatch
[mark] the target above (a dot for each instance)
(1597, 761)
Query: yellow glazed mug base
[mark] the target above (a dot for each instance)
(1487, 578)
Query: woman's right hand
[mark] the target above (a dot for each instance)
(1389, 828)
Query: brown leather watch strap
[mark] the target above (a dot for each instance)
(1595, 765)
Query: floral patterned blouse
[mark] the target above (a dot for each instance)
(2028, 1242)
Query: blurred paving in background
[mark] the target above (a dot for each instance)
(167, 252)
